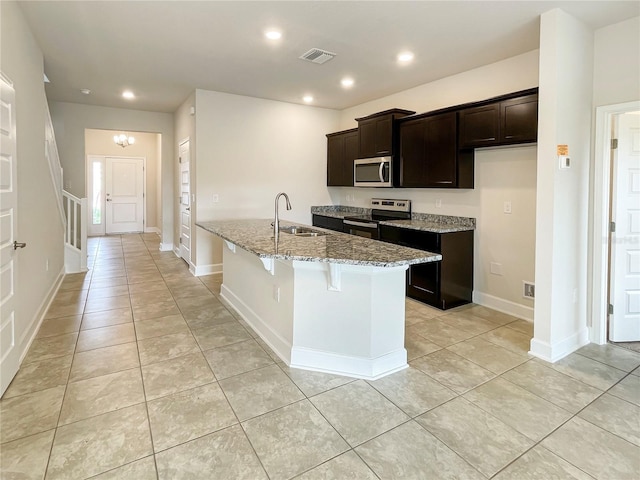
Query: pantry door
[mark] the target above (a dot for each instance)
(624, 321)
(9, 354)
(124, 195)
(185, 201)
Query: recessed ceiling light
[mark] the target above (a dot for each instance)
(85, 91)
(307, 99)
(405, 57)
(347, 82)
(128, 94)
(273, 34)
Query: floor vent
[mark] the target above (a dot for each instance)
(317, 55)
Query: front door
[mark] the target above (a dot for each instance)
(625, 242)
(185, 201)
(9, 354)
(124, 195)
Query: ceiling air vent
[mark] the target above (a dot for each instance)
(317, 55)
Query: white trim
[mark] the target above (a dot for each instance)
(176, 251)
(152, 230)
(41, 313)
(553, 353)
(73, 259)
(505, 306)
(598, 259)
(349, 366)
(279, 345)
(199, 270)
(166, 247)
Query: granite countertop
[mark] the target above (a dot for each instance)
(425, 222)
(256, 236)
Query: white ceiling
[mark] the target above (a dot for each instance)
(163, 50)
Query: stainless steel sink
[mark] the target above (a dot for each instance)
(302, 231)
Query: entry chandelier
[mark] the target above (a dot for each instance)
(124, 140)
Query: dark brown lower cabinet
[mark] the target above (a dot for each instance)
(444, 284)
(330, 223)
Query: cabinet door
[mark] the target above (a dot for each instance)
(441, 151)
(384, 136)
(367, 134)
(423, 283)
(412, 154)
(350, 154)
(376, 137)
(335, 147)
(519, 120)
(341, 151)
(479, 126)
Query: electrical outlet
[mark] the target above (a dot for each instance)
(438, 203)
(215, 198)
(528, 289)
(496, 268)
(564, 161)
(507, 207)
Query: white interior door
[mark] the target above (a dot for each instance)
(185, 201)
(124, 195)
(624, 323)
(9, 354)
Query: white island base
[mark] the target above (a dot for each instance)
(336, 318)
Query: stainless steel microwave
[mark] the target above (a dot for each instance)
(372, 172)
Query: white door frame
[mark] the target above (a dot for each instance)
(92, 230)
(189, 206)
(598, 267)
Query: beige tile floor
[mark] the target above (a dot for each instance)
(140, 371)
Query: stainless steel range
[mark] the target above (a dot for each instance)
(381, 209)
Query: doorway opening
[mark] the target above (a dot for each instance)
(615, 237)
(123, 184)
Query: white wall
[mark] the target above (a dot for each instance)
(566, 89)
(100, 142)
(39, 222)
(501, 174)
(616, 76)
(249, 149)
(70, 121)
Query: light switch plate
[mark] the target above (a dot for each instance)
(507, 207)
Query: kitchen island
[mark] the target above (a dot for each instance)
(322, 300)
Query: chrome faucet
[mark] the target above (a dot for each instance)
(276, 221)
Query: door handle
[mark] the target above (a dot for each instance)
(188, 209)
(108, 199)
(17, 245)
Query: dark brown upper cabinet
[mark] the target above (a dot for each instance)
(505, 121)
(342, 150)
(377, 133)
(429, 155)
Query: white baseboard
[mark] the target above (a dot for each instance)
(152, 230)
(349, 366)
(199, 270)
(39, 317)
(504, 306)
(552, 353)
(176, 250)
(279, 345)
(166, 247)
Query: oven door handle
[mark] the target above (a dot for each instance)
(380, 172)
(360, 224)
